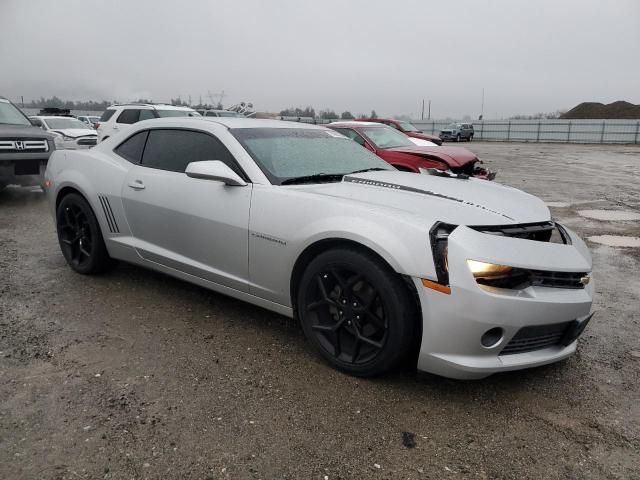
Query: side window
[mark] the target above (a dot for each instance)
(173, 150)
(129, 116)
(106, 115)
(146, 115)
(347, 132)
(211, 114)
(131, 149)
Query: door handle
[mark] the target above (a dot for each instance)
(136, 185)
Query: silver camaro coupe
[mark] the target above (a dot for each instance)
(462, 276)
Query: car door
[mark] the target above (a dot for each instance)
(196, 226)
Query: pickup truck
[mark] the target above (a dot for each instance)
(24, 149)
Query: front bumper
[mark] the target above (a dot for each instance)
(453, 324)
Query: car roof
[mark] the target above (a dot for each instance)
(356, 123)
(157, 106)
(234, 122)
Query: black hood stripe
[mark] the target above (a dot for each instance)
(395, 186)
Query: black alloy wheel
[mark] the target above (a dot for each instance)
(80, 237)
(355, 312)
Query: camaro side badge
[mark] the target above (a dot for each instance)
(267, 237)
(585, 280)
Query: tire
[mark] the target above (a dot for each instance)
(80, 238)
(458, 138)
(356, 312)
(471, 138)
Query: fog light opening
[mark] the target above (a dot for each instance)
(492, 337)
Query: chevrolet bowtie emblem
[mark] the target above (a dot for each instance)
(584, 280)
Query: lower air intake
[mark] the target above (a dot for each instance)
(529, 339)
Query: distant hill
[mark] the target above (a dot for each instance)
(619, 109)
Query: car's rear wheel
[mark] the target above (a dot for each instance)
(470, 138)
(458, 138)
(356, 312)
(80, 237)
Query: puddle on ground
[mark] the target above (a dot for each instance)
(616, 240)
(558, 204)
(612, 215)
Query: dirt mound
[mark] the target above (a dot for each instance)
(619, 109)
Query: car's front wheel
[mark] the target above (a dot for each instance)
(80, 237)
(458, 138)
(356, 312)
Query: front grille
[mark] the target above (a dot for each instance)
(540, 231)
(529, 339)
(26, 145)
(542, 278)
(88, 141)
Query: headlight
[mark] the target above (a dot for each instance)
(481, 270)
(500, 276)
(59, 141)
(439, 235)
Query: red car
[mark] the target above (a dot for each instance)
(405, 127)
(395, 148)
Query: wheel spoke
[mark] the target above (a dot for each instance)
(84, 251)
(320, 303)
(323, 290)
(379, 322)
(72, 241)
(356, 350)
(70, 218)
(339, 279)
(373, 343)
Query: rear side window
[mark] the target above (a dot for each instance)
(129, 116)
(173, 150)
(347, 132)
(146, 115)
(131, 149)
(106, 115)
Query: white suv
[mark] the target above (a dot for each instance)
(121, 116)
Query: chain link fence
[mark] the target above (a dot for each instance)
(564, 131)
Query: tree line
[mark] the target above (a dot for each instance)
(327, 114)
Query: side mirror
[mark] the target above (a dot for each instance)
(33, 122)
(214, 170)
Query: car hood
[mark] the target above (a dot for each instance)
(76, 132)
(451, 200)
(454, 156)
(424, 136)
(23, 131)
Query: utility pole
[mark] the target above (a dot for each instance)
(422, 118)
(429, 118)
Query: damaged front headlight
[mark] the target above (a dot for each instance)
(439, 236)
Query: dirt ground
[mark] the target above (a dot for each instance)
(137, 375)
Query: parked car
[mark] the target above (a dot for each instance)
(396, 148)
(121, 116)
(72, 132)
(457, 132)
(90, 120)
(463, 276)
(219, 113)
(24, 149)
(407, 128)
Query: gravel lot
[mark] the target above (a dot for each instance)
(137, 375)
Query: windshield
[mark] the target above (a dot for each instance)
(386, 137)
(230, 114)
(285, 153)
(177, 113)
(453, 126)
(62, 123)
(10, 115)
(407, 127)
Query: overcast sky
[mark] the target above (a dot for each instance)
(530, 56)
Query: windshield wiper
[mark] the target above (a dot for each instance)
(374, 169)
(316, 178)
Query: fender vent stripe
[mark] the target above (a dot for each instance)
(108, 213)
